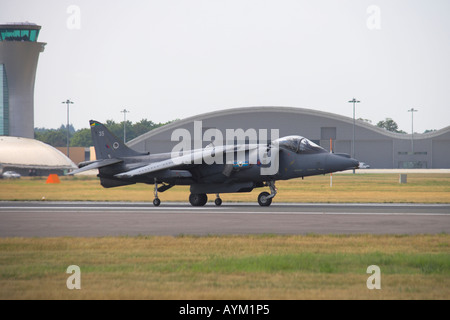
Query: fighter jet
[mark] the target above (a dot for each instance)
(214, 169)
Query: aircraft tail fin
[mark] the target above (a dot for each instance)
(107, 145)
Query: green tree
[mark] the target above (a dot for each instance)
(64, 128)
(130, 130)
(143, 126)
(81, 138)
(53, 137)
(365, 120)
(115, 128)
(389, 125)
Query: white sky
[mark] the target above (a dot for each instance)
(171, 59)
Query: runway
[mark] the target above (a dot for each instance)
(94, 219)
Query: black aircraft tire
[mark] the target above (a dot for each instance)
(262, 199)
(156, 202)
(218, 201)
(198, 200)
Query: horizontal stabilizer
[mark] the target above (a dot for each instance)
(157, 166)
(96, 165)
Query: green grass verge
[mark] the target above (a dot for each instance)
(362, 188)
(323, 263)
(227, 267)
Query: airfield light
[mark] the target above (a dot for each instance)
(412, 110)
(353, 141)
(68, 102)
(125, 111)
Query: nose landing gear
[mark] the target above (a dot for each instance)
(264, 198)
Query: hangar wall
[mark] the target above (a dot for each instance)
(374, 146)
(440, 150)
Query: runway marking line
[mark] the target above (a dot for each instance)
(203, 210)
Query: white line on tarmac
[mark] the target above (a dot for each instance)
(208, 210)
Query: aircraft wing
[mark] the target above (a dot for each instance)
(194, 157)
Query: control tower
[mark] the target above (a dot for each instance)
(19, 54)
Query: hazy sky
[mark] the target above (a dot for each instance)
(170, 59)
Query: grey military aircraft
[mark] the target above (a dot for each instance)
(285, 158)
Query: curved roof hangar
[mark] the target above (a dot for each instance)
(375, 146)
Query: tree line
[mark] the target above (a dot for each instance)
(82, 137)
(390, 125)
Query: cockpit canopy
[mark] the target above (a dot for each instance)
(299, 144)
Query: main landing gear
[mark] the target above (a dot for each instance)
(264, 198)
(196, 200)
(200, 199)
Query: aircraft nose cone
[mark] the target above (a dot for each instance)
(341, 162)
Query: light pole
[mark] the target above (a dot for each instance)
(353, 141)
(68, 102)
(412, 110)
(125, 111)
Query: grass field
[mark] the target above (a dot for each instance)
(232, 267)
(227, 267)
(375, 188)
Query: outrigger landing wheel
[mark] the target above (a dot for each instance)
(218, 201)
(156, 201)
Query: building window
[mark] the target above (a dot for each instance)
(4, 102)
(412, 165)
(401, 153)
(8, 34)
